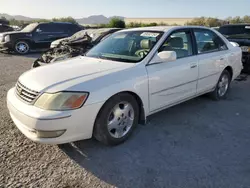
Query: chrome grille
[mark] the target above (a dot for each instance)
(25, 93)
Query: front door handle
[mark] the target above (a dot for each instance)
(221, 59)
(193, 66)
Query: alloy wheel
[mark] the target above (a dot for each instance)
(120, 119)
(223, 85)
(22, 47)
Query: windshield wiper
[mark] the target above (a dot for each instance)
(121, 60)
(102, 57)
(99, 56)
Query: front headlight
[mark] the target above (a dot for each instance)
(7, 38)
(53, 45)
(61, 101)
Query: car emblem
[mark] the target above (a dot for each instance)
(19, 90)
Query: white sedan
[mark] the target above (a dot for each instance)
(132, 74)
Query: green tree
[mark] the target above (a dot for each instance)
(197, 21)
(213, 22)
(41, 20)
(65, 19)
(236, 20)
(202, 21)
(163, 24)
(174, 24)
(3, 18)
(19, 23)
(134, 24)
(153, 24)
(117, 23)
(246, 19)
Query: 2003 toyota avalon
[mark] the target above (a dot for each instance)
(132, 74)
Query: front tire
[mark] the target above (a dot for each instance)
(117, 119)
(22, 47)
(222, 87)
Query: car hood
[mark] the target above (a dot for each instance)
(12, 32)
(66, 74)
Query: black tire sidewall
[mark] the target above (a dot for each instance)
(101, 132)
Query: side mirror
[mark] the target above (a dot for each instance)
(164, 57)
(235, 44)
(38, 30)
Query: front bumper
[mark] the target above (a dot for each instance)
(77, 124)
(5, 46)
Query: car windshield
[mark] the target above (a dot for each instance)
(30, 27)
(130, 46)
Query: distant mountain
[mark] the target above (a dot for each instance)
(17, 17)
(95, 19)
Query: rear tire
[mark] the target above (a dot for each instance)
(117, 119)
(222, 87)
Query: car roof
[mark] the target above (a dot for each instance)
(235, 25)
(163, 28)
(54, 23)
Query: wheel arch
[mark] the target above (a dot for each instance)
(23, 39)
(142, 116)
(29, 41)
(230, 70)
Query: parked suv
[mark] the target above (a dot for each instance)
(36, 36)
(239, 33)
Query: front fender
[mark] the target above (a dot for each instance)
(134, 80)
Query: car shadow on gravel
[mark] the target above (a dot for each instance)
(156, 155)
(29, 55)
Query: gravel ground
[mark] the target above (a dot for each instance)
(201, 143)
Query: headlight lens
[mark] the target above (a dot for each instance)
(53, 45)
(61, 101)
(7, 38)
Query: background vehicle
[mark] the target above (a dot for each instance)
(73, 46)
(36, 36)
(118, 83)
(216, 28)
(5, 28)
(239, 33)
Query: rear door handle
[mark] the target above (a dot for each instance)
(221, 59)
(193, 66)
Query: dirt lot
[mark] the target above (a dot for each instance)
(201, 143)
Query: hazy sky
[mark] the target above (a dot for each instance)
(126, 8)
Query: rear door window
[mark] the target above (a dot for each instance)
(50, 28)
(44, 28)
(208, 41)
(72, 28)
